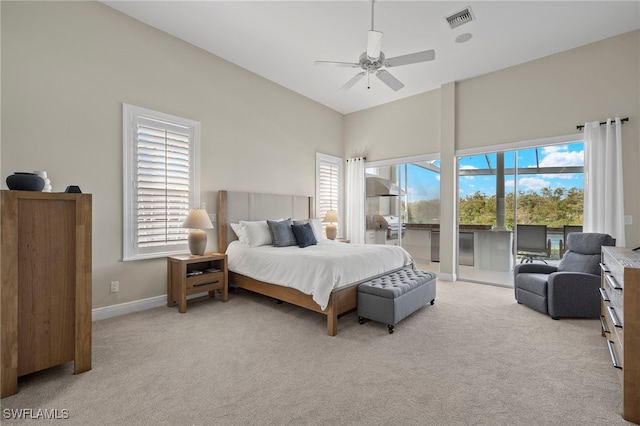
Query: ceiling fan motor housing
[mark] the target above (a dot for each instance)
(369, 65)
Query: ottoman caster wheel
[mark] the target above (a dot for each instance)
(361, 320)
(432, 302)
(390, 329)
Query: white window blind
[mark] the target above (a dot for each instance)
(328, 185)
(160, 182)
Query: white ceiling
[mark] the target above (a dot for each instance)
(280, 40)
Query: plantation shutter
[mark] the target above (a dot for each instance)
(328, 194)
(162, 182)
(328, 175)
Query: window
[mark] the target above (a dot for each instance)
(328, 186)
(161, 181)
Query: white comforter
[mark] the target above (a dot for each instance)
(316, 270)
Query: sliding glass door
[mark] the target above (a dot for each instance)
(403, 207)
(485, 216)
(516, 206)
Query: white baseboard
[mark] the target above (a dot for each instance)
(447, 277)
(98, 314)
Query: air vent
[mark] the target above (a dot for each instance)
(459, 18)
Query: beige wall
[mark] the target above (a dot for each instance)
(409, 126)
(550, 96)
(544, 98)
(67, 67)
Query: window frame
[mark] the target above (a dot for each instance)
(339, 163)
(130, 115)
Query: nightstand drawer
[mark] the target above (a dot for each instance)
(203, 281)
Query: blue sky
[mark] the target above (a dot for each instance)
(425, 185)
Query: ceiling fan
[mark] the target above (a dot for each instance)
(373, 60)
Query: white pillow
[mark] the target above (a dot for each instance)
(316, 225)
(256, 233)
(239, 231)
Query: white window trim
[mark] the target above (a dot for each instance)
(513, 146)
(129, 114)
(340, 207)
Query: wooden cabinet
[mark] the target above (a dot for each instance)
(620, 318)
(189, 274)
(45, 290)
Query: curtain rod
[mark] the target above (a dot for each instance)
(356, 158)
(622, 120)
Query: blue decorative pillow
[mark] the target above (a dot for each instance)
(281, 233)
(304, 235)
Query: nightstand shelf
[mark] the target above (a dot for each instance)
(188, 274)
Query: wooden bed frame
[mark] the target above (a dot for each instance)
(235, 206)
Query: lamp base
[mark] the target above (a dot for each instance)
(197, 242)
(331, 231)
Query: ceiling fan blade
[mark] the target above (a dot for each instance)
(351, 82)
(337, 64)
(389, 80)
(374, 44)
(412, 58)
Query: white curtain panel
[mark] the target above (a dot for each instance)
(355, 200)
(603, 189)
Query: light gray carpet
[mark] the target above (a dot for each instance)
(476, 357)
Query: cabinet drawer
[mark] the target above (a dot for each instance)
(612, 330)
(611, 285)
(615, 352)
(614, 268)
(203, 281)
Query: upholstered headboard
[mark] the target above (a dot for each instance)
(236, 206)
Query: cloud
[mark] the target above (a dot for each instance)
(533, 183)
(559, 156)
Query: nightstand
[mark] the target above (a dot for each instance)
(343, 240)
(188, 274)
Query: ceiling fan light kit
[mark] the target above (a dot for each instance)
(373, 60)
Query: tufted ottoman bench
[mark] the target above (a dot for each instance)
(391, 298)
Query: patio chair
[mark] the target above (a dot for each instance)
(565, 231)
(532, 243)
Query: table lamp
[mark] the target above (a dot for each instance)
(329, 219)
(197, 220)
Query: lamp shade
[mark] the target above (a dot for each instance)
(331, 216)
(197, 219)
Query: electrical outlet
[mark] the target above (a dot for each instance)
(628, 219)
(115, 286)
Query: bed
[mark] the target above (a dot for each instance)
(248, 268)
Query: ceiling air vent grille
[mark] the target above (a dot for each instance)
(459, 18)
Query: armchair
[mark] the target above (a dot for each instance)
(569, 289)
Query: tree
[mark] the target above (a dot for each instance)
(552, 207)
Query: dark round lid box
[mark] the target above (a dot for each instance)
(23, 181)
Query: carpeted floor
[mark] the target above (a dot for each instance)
(476, 357)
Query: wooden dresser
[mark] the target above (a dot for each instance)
(45, 289)
(620, 318)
